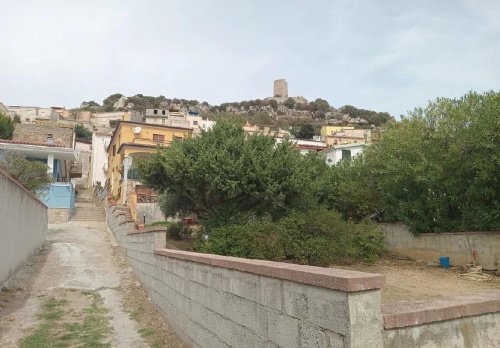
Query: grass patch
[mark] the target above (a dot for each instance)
(146, 332)
(60, 328)
(136, 314)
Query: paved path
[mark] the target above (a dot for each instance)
(78, 255)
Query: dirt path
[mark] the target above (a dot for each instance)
(77, 261)
(409, 280)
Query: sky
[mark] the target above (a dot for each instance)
(382, 55)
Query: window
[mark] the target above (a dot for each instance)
(178, 138)
(195, 123)
(114, 150)
(133, 174)
(155, 112)
(158, 138)
(346, 154)
(50, 139)
(163, 112)
(113, 123)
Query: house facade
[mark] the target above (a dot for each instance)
(330, 130)
(99, 163)
(60, 196)
(132, 140)
(29, 114)
(111, 119)
(342, 152)
(169, 118)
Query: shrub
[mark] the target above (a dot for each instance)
(257, 239)
(318, 237)
(178, 231)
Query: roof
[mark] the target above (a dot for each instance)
(344, 146)
(6, 141)
(138, 145)
(40, 150)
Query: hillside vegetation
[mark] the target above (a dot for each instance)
(258, 111)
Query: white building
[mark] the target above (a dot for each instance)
(29, 114)
(165, 117)
(346, 151)
(306, 145)
(99, 163)
(110, 119)
(84, 150)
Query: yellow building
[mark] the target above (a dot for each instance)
(330, 130)
(132, 140)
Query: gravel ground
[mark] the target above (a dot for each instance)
(409, 280)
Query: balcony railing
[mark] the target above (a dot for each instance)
(75, 170)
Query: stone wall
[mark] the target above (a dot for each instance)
(23, 225)
(37, 133)
(458, 246)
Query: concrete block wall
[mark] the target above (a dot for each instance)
(460, 321)
(23, 225)
(219, 301)
(457, 245)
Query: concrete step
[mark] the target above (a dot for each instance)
(88, 214)
(87, 219)
(84, 205)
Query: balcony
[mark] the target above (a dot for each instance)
(75, 170)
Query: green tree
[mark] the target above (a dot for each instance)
(261, 118)
(306, 131)
(113, 98)
(224, 174)
(83, 133)
(322, 105)
(33, 175)
(437, 170)
(373, 117)
(6, 127)
(289, 103)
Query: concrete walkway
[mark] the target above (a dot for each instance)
(78, 255)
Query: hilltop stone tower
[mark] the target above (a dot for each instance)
(280, 88)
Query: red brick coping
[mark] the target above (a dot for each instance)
(148, 230)
(331, 278)
(403, 314)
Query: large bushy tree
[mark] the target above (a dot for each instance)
(82, 133)
(225, 173)
(439, 168)
(33, 175)
(6, 127)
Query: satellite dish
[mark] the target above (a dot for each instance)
(137, 130)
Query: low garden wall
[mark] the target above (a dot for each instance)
(219, 301)
(457, 246)
(23, 225)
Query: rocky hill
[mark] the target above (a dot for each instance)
(263, 111)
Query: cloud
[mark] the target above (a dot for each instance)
(373, 54)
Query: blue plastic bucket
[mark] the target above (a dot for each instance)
(444, 261)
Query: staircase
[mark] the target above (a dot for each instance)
(85, 209)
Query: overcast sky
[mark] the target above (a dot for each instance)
(381, 55)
